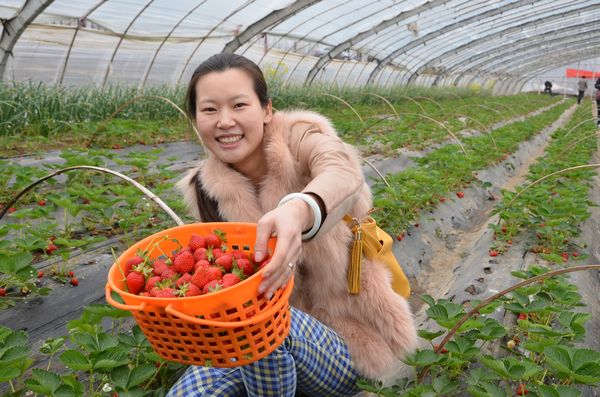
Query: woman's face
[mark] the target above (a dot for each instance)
(230, 118)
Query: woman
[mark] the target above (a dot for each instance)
(292, 175)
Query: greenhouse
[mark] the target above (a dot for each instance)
(299, 198)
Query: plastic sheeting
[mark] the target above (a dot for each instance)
(346, 43)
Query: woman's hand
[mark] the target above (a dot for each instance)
(287, 223)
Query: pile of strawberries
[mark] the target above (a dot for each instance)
(205, 265)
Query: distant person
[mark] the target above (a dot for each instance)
(548, 87)
(597, 87)
(582, 86)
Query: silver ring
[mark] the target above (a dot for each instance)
(291, 266)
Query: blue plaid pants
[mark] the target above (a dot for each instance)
(313, 360)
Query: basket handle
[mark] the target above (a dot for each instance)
(121, 306)
(222, 324)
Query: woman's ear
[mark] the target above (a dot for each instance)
(268, 109)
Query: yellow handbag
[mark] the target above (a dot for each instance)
(373, 242)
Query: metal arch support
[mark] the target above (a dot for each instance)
(164, 40)
(518, 56)
(64, 65)
(511, 29)
(122, 36)
(338, 49)
(269, 20)
(14, 28)
(440, 32)
(557, 61)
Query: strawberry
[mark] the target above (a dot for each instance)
(400, 237)
(201, 263)
(168, 274)
(217, 253)
(511, 344)
(86, 201)
(151, 282)
(184, 263)
(131, 262)
(503, 229)
(522, 389)
(211, 286)
(193, 290)
(196, 241)
(565, 256)
(185, 278)
(442, 199)
(239, 254)
(522, 316)
(165, 293)
(2, 291)
(51, 248)
(264, 263)
(159, 266)
(40, 274)
(71, 273)
(493, 253)
(11, 210)
(230, 280)
(212, 240)
(246, 266)
(202, 276)
(74, 282)
(42, 203)
(135, 282)
(145, 293)
(200, 254)
(460, 194)
(574, 254)
(226, 262)
(443, 350)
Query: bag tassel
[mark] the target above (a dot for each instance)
(356, 260)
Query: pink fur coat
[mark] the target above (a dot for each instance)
(305, 155)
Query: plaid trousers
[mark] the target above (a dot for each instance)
(313, 360)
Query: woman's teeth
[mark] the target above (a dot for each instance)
(229, 139)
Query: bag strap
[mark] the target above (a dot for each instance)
(207, 206)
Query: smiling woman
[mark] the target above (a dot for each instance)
(291, 174)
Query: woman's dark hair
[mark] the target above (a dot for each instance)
(220, 63)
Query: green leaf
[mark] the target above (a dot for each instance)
(14, 263)
(429, 335)
(120, 376)
(75, 360)
(14, 354)
(8, 373)
(486, 389)
(588, 373)
(43, 382)
(495, 365)
(109, 359)
(558, 357)
(66, 391)
(141, 374)
(547, 391)
(422, 358)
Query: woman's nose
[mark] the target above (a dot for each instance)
(225, 120)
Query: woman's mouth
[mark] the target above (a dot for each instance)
(229, 139)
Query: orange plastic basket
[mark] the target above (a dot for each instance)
(228, 328)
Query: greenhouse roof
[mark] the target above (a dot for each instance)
(349, 43)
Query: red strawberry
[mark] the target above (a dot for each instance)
(574, 254)
(131, 262)
(42, 203)
(211, 286)
(159, 266)
(86, 200)
(165, 293)
(185, 278)
(150, 283)
(135, 282)
(230, 279)
(11, 210)
(460, 194)
(212, 240)
(168, 274)
(200, 254)
(493, 253)
(522, 316)
(565, 256)
(239, 254)
(246, 266)
(74, 282)
(201, 263)
(522, 389)
(217, 253)
(40, 274)
(184, 263)
(71, 273)
(442, 199)
(226, 262)
(443, 350)
(51, 248)
(196, 241)
(2, 291)
(202, 276)
(193, 290)
(145, 293)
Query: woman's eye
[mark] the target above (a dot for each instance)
(207, 110)
(239, 105)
